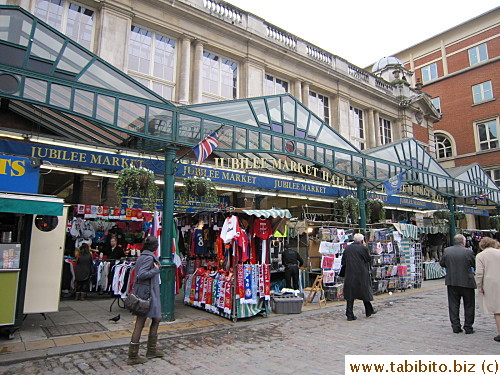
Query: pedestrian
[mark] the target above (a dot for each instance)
(83, 272)
(459, 262)
(147, 285)
(115, 250)
(488, 279)
(357, 283)
(292, 261)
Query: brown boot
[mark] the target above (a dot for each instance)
(153, 350)
(133, 355)
(83, 296)
(77, 296)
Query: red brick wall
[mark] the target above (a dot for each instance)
(420, 133)
(473, 40)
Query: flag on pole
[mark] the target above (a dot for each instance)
(481, 197)
(203, 149)
(393, 185)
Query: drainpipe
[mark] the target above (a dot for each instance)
(167, 270)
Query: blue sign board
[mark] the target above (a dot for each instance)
(17, 175)
(114, 161)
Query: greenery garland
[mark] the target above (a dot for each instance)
(495, 222)
(137, 183)
(375, 205)
(351, 206)
(442, 214)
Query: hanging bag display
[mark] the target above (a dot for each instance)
(136, 305)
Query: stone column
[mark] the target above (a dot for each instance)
(297, 89)
(185, 70)
(197, 72)
(370, 129)
(305, 93)
(376, 128)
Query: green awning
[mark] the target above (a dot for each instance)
(31, 204)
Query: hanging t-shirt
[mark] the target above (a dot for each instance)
(198, 243)
(262, 228)
(230, 229)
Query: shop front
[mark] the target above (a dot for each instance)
(32, 240)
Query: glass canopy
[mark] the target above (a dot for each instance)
(52, 80)
(471, 181)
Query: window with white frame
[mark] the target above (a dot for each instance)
(385, 130)
(319, 105)
(436, 102)
(478, 54)
(357, 124)
(73, 20)
(482, 92)
(273, 85)
(443, 146)
(487, 134)
(151, 60)
(220, 77)
(495, 175)
(429, 72)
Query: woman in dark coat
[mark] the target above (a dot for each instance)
(83, 272)
(146, 285)
(357, 283)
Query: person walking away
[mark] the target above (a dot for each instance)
(357, 283)
(83, 272)
(292, 261)
(488, 279)
(459, 262)
(146, 285)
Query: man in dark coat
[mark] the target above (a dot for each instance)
(357, 283)
(292, 261)
(459, 262)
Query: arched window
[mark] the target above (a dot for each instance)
(443, 144)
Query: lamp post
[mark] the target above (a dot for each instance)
(167, 270)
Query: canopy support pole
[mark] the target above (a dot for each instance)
(362, 204)
(451, 207)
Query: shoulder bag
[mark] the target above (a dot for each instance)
(136, 305)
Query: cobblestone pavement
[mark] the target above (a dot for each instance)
(310, 343)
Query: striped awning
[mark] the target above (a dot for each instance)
(412, 231)
(269, 213)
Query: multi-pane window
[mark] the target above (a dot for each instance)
(357, 124)
(73, 20)
(385, 130)
(220, 77)
(319, 105)
(487, 134)
(153, 55)
(429, 72)
(482, 92)
(478, 54)
(436, 102)
(495, 175)
(443, 145)
(273, 85)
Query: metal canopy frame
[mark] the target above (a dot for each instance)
(42, 69)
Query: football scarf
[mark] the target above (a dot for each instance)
(240, 286)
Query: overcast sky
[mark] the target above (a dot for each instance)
(363, 31)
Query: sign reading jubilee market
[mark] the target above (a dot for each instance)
(229, 173)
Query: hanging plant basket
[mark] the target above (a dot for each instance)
(351, 208)
(375, 211)
(137, 183)
(200, 187)
(442, 215)
(459, 216)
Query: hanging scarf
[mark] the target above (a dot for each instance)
(228, 300)
(187, 289)
(260, 269)
(267, 281)
(240, 286)
(209, 289)
(255, 283)
(248, 279)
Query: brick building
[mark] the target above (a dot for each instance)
(460, 69)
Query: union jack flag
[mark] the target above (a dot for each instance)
(481, 197)
(203, 149)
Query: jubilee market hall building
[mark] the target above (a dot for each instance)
(297, 126)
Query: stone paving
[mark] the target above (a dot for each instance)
(313, 342)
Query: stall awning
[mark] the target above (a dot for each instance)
(269, 213)
(31, 204)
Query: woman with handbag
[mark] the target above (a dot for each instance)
(84, 271)
(147, 286)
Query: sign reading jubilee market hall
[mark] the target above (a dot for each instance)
(231, 172)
